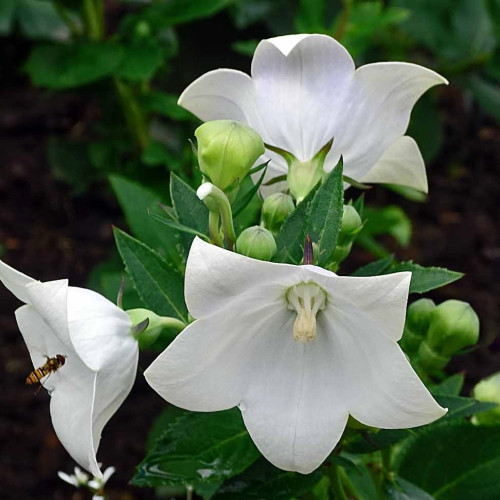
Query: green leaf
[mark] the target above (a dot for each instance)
(375, 268)
(190, 210)
(242, 202)
(487, 94)
(404, 490)
(456, 461)
(72, 65)
(198, 448)
(424, 279)
(40, 20)
(141, 60)
(326, 212)
(388, 220)
(160, 287)
(178, 226)
(264, 481)
(166, 105)
(137, 202)
(290, 239)
(7, 16)
(182, 11)
(452, 386)
(462, 407)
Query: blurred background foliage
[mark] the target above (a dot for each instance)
(106, 76)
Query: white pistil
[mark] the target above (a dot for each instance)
(306, 299)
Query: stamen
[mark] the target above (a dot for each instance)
(306, 299)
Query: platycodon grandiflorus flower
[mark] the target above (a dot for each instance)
(297, 348)
(304, 92)
(98, 356)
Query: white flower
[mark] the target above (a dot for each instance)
(97, 483)
(297, 348)
(101, 357)
(79, 478)
(305, 91)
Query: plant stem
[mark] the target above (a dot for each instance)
(175, 323)
(334, 473)
(93, 15)
(134, 117)
(213, 228)
(66, 18)
(343, 19)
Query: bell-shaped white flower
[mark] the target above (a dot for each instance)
(101, 356)
(297, 348)
(305, 91)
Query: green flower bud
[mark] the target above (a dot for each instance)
(226, 151)
(350, 226)
(418, 317)
(256, 242)
(275, 209)
(488, 390)
(147, 325)
(454, 325)
(142, 29)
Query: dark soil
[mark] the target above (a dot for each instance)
(48, 233)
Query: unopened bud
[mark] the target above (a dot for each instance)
(227, 150)
(454, 325)
(275, 209)
(351, 225)
(418, 317)
(256, 242)
(488, 390)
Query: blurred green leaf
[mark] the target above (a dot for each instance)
(166, 105)
(65, 66)
(160, 286)
(310, 17)
(452, 386)
(156, 154)
(142, 58)
(487, 95)
(7, 16)
(69, 162)
(375, 268)
(171, 12)
(455, 461)
(245, 47)
(404, 490)
(424, 279)
(197, 448)
(264, 481)
(387, 220)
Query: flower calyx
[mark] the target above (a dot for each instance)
(303, 175)
(306, 299)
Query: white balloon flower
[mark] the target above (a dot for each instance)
(297, 348)
(305, 91)
(94, 337)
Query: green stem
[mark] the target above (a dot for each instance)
(334, 473)
(175, 323)
(343, 19)
(92, 13)
(134, 117)
(213, 228)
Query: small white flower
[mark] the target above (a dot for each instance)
(297, 348)
(305, 91)
(99, 483)
(101, 357)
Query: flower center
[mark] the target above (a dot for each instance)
(306, 299)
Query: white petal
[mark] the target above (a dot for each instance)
(382, 299)
(72, 389)
(301, 85)
(376, 112)
(380, 387)
(402, 164)
(15, 281)
(99, 330)
(221, 94)
(68, 479)
(49, 299)
(214, 276)
(293, 408)
(209, 365)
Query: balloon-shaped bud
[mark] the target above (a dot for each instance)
(418, 318)
(488, 390)
(227, 150)
(454, 325)
(351, 225)
(256, 242)
(275, 209)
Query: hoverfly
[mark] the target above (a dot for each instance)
(51, 366)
